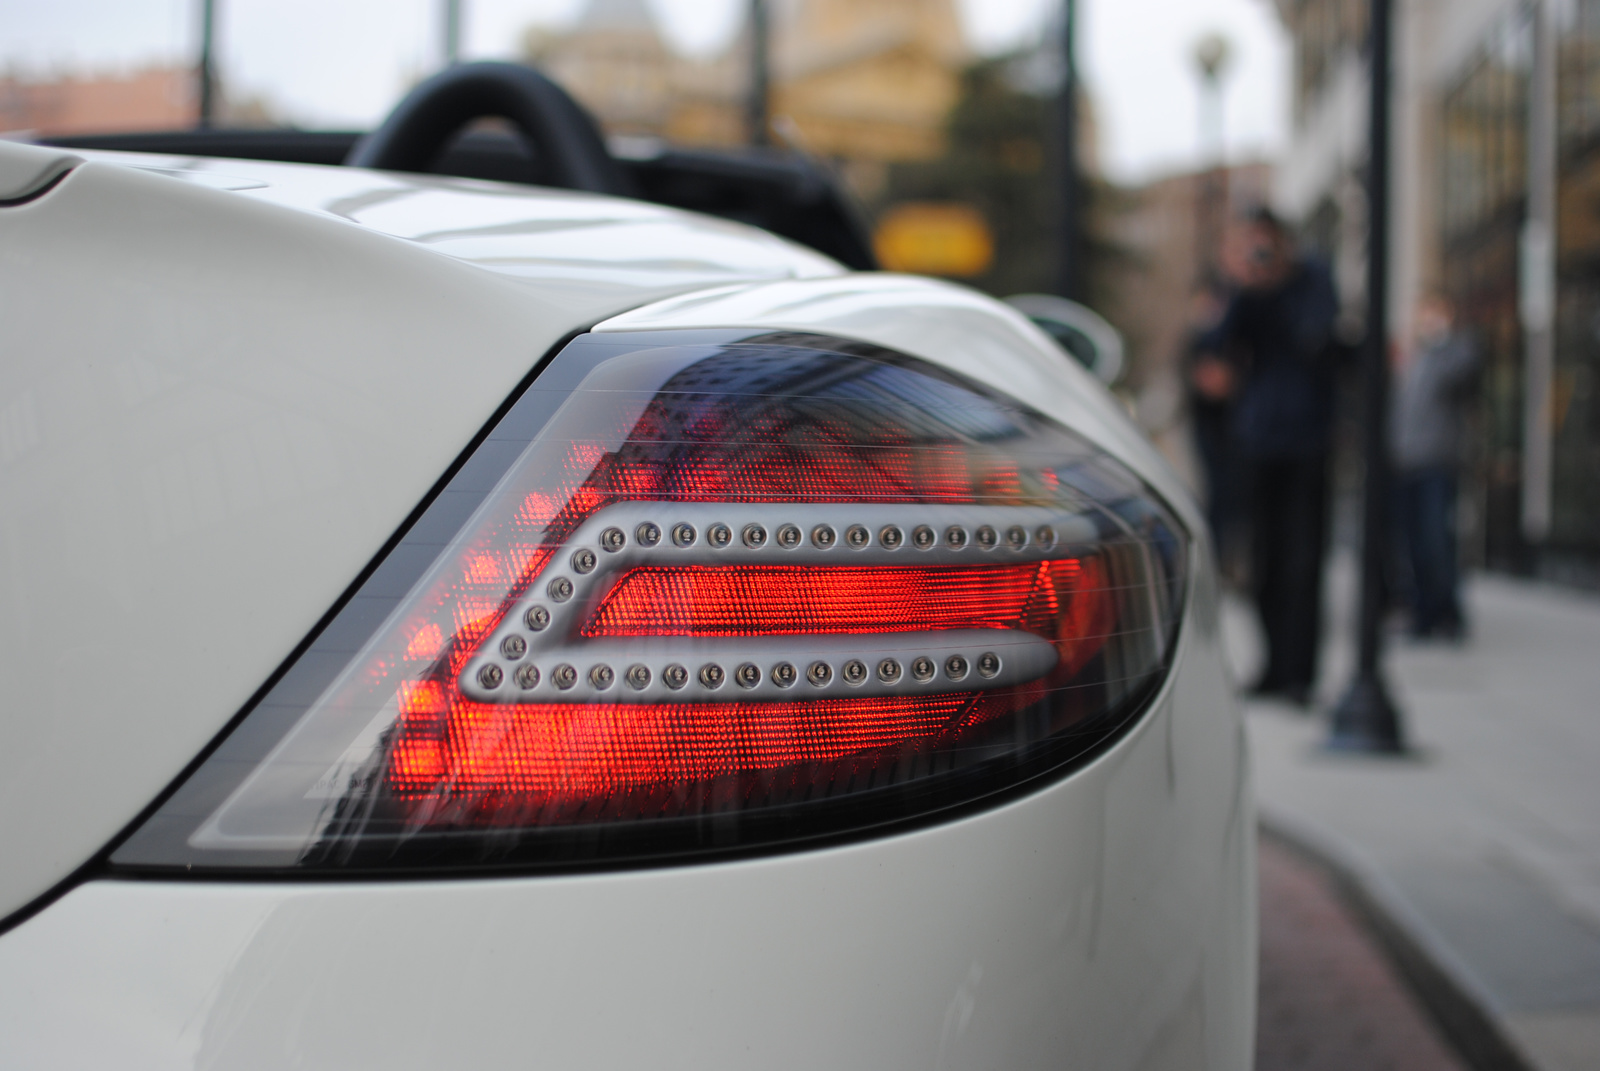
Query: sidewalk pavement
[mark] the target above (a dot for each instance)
(1481, 848)
(1330, 1000)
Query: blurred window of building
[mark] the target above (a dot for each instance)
(1575, 402)
(1483, 171)
(1462, 105)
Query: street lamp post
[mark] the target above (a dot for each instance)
(1211, 55)
(207, 72)
(1069, 181)
(452, 32)
(758, 103)
(1366, 719)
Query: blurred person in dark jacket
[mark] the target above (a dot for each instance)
(1277, 334)
(1426, 433)
(1211, 380)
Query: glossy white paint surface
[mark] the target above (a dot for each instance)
(25, 169)
(222, 387)
(1104, 922)
(571, 243)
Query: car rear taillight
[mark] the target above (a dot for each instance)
(705, 593)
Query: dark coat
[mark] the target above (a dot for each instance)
(1282, 342)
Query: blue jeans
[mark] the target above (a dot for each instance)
(1427, 521)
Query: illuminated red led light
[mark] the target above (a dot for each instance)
(1066, 601)
(471, 759)
(550, 752)
(791, 600)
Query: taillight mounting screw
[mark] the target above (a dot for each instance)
(888, 671)
(788, 537)
(955, 667)
(513, 647)
(711, 675)
(922, 668)
(683, 535)
(784, 674)
(754, 536)
(601, 676)
(647, 534)
(638, 676)
(823, 536)
(613, 539)
(675, 676)
(537, 619)
(748, 675)
(527, 676)
(584, 561)
(490, 676)
(854, 671)
(891, 536)
(923, 537)
(857, 536)
(564, 676)
(955, 536)
(988, 664)
(560, 589)
(819, 673)
(719, 535)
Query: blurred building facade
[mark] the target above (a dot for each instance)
(1163, 239)
(616, 62)
(1164, 229)
(156, 98)
(866, 83)
(1466, 77)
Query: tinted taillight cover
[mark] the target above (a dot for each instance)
(697, 593)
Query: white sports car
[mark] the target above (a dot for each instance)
(447, 623)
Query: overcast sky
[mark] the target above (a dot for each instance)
(342, 63)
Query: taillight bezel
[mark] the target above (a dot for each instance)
(160, 845)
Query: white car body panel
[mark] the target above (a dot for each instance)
(571, 243)
(211, 420)
(1103, 922)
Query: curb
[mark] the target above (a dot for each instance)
(1461, 1015)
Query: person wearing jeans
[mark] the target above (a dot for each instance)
(1426, 433)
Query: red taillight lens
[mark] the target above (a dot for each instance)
(731, 593)
(782, 600)
(552, 759)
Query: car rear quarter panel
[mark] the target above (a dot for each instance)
(1105, 921)
(214, 410)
